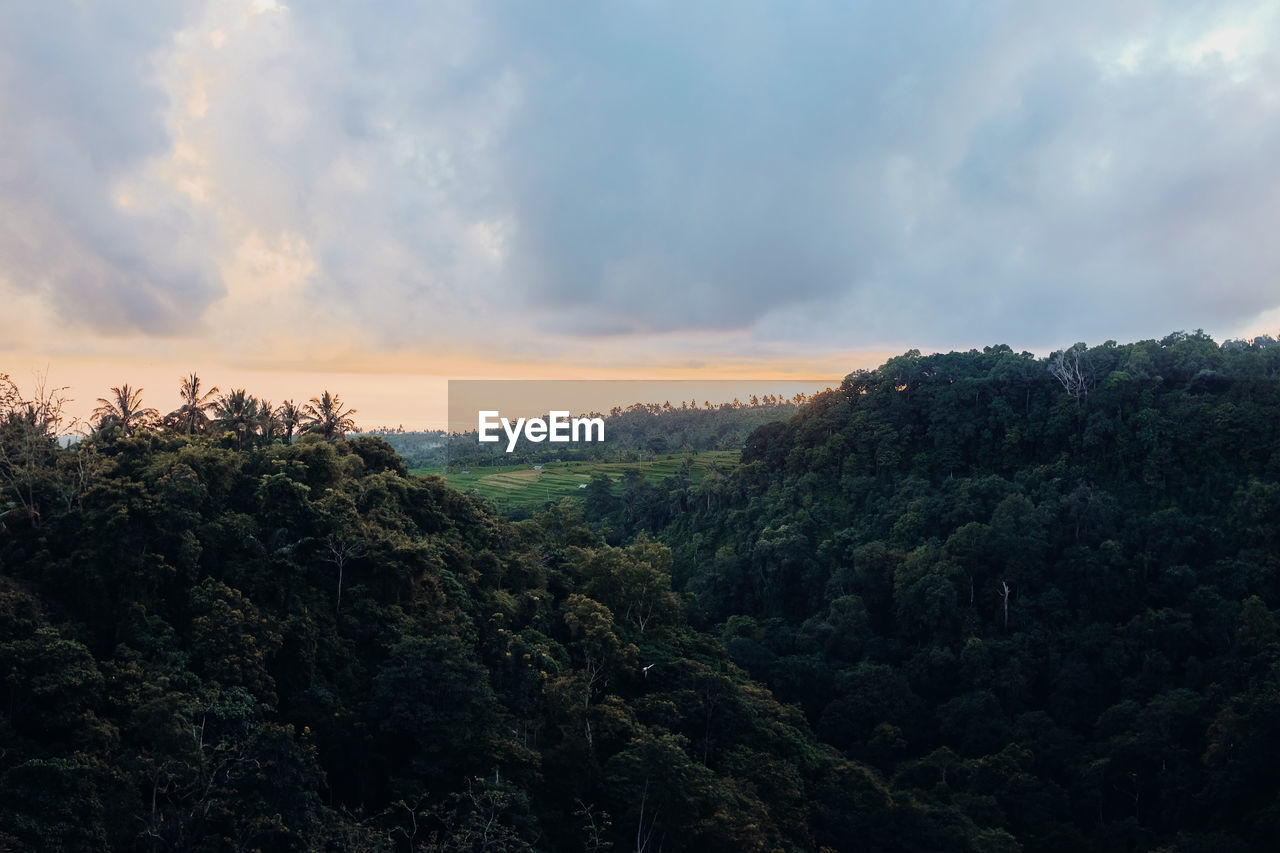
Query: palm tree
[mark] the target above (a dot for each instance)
(268, 424)
(124, 410)
(325, 416)
(290, 415)
(193, 414)
(238, 412)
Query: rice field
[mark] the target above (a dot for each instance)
(511, 486)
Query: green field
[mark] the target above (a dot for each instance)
(511, 486)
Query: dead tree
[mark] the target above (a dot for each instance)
(1004, 592)
(342, 550)
(646, 825)
(1071, 368)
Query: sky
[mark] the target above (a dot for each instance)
(375, 198)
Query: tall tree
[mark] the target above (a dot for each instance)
(238, 412)
(269, 425)
(193, 414)
(124, 409)
(290, 415)
(1071, 367)
(325, 415)
(29, 431)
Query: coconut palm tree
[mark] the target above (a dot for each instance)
(193, 414)
(238, 413)
(324, 415)
(290, 415)
(124, 409)
(268, 424)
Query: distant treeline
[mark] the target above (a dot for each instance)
(632, 433)
(418, 448)
(236, 415)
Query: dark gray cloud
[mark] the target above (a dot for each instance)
(932, 172)
(797, 175)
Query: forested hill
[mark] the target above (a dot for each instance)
(239, 643)
(1040, 591)
(965, 602)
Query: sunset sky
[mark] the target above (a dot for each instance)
(374, 198)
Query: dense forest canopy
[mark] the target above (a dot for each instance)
(1062, 568)
(223, 639)
(966, 601)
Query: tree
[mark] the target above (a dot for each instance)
(1071, 368)
(595, 638)
(193, 414)
(10, 397)
(124, 410)
(238, 413)
(341, 551)
(634, 582)
(433, 699)
(290, 415)
(1004, 593)
(659, 787)
(29, 431)
(325, 416)
(269, 425)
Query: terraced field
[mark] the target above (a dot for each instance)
(512, 486)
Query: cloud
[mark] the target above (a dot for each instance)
(82, 114)
(922, 173)
(642, 176)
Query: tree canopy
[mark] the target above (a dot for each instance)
(965, 601)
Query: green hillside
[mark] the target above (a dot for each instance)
(971, 601)
(224, 642)
(525, 487)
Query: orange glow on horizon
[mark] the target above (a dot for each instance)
(391, 391)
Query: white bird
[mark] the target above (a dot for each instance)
(646, 669)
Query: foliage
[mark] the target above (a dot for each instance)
(1041, 592)
(967, 601)
(228, 642)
